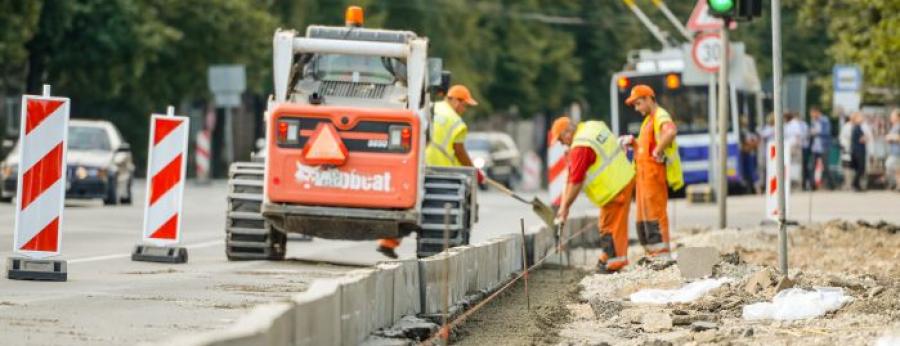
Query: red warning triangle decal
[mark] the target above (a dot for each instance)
(325, 147)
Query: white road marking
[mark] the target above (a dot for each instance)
(128, 255)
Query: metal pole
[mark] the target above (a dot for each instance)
(559, 228)
(779, 134)
(445, 289)
(675, 22)
(229, 137)
(722, 191)
(525, 266)
(712, 175)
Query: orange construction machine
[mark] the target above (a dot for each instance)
(346, 132)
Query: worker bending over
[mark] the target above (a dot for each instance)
(598, 164)
(658, 167)
(447, 147)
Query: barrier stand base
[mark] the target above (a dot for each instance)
(19, 268)
(163, 254)
(768, 222)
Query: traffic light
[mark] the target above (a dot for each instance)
(722, 8)
(749, 9)
(735, 9)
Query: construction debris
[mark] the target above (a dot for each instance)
(798, 304)
(697, 262)
(685, 294)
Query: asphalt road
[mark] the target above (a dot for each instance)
(109, 299)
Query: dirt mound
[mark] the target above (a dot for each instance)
(861, 258)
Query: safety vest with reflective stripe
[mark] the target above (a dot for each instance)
(446, 127)
(674, 175)
(611, 171)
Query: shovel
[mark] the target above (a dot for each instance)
(540, 208)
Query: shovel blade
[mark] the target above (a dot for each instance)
(543, 211)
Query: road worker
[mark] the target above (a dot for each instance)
(598, 165)
(447, 147)
(658, 167)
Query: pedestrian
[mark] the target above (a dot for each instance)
(858, 141)
(844, 141)
(820, 142)
(748, 149)
(893, 161)
(447, 147)
(795, 140)
(766, 136)
(658, 167)
(599, 166)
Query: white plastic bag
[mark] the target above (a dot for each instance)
(685, 294)
(889, 339)
(798, 304)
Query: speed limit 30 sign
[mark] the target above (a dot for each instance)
(707, 52)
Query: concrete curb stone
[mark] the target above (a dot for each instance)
(317, 314)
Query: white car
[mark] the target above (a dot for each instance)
(100, 164)
(496, 154)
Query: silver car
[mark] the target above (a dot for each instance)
(99, 164)
(496, 154)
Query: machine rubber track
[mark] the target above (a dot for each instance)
(248, 236)
(443, 188)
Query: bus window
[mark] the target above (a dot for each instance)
(687, 104)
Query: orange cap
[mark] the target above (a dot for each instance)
(460, 92)
(559, 125)
(639, 91)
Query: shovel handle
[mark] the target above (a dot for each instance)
(493, 183)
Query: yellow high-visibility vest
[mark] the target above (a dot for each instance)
(674, 175)
(611, 171)
(445, 130)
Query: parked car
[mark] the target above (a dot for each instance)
(495, 153)
(99, 164)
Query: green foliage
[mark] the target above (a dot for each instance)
(18, 21)
(864, 32)
(123, 59)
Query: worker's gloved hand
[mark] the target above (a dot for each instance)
(626, 141)
(562, 215)
(480, 175)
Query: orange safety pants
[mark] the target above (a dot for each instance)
(613, 228)
(652, 210)
(390, 243)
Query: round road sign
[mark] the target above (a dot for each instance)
(707, 52)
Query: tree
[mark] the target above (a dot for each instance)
(864, 32)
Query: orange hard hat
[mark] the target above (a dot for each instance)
(639, 91)
(460, 92)
(559, 125)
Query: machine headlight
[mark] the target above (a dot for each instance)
(478, 162)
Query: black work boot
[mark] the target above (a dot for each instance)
(387, 252)
(601, 268)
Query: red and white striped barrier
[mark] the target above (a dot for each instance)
(772, 183)
(556, 171)
(165, 172)
(203, 145)
(41, 185)
(531, 172)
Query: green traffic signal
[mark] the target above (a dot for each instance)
(721, 6)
